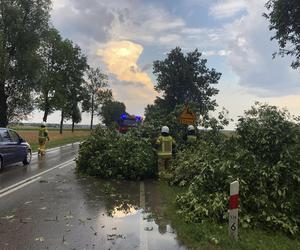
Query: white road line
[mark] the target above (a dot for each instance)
(19, 187)
(57, 148)
(143, 233)
(5, 191)
(65, 165)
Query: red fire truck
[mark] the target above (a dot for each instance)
(127, 122)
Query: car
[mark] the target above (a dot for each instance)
(13, 148)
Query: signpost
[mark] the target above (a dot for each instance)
(187, 116)
(233, 210)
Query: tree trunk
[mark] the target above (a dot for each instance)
(46, 111)
(73, 125)
(92, 117)
(3, 106)
(61, 122)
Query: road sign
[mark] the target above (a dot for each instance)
(233, 210)
(187, 116)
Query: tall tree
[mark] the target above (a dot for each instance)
(111, 112)
(284, 17)
(185, 79)
(96, 92)
(70, 89)
(50, 52)
(22, 22)
(74, 114)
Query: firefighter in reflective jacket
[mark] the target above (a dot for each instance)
(191, 135)
(43, 137)
(165, 144)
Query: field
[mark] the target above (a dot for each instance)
(56, 139)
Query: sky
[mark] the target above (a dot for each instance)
(124, 37)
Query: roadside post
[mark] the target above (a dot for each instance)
(233, 210)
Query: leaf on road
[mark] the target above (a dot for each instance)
(148, 228)
(67, 217)
(8, 217)
(40, 239)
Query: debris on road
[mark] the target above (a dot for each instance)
(148, 228)
(40, 239)
(8, 217)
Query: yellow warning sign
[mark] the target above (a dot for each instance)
(187, 116)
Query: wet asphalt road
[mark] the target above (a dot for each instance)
(48, 206)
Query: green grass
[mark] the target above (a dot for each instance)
(211, 236)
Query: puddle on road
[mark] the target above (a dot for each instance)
(65, 211)
(133, 217)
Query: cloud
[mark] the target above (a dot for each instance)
(121, 59)
(227, 8)
(248, 39)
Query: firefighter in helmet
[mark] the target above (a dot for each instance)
(166, 145)
(43, 137)
(191, 136)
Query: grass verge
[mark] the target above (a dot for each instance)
(56, 139)
(212, 236)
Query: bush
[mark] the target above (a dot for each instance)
(269, 188)
(109, 154)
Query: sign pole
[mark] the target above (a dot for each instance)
(233, 210)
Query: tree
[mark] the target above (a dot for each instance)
(51, 52)
(22, 22)
(96, 92)
(111, 112)
(75, 116)
(70, 90)
(268, 133)
(184, 79)
(284, 19)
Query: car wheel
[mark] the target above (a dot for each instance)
(27, 159)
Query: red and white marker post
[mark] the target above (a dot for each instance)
(233, 210)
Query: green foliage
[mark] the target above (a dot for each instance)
(269, 187)
(108, 154)
(186, 79)
(51, 53)
(284, 19)
(22, 22)
(111, 112)
(268, 132)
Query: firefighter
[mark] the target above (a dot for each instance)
(166, 145)
(191, 135)
(43, 137)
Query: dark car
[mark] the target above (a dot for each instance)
(13, 148)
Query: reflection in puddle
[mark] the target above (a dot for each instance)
(130, 215)
(123, 211)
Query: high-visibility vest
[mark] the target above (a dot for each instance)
(165, 143)
(43, 134)
(191, 138)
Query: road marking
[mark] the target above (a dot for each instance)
(57, 148)
(19, 187)
(143, 233)
(31, 179)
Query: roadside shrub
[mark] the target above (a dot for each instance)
(109, 154)
(269, 188)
